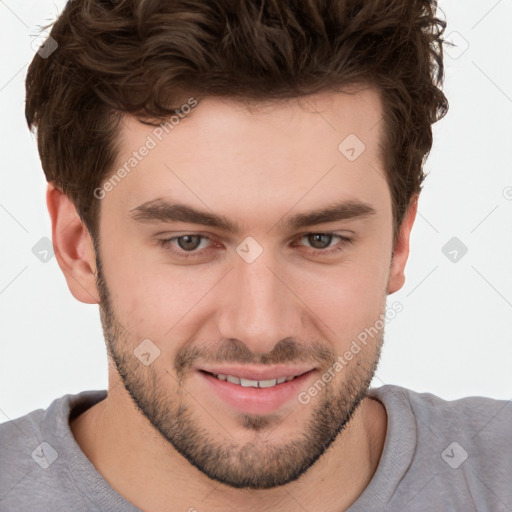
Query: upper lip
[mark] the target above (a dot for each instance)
(258, 373)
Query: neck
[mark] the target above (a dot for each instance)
(148, 472)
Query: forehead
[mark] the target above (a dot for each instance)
(241, 160)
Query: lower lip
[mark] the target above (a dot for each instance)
(256, 400)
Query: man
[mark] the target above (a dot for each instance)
(235, 184)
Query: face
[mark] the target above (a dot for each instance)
(281, 290)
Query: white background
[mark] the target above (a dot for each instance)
(454, 335)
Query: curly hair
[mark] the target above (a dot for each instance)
(142, 57)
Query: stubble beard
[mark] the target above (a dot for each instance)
(260, 463)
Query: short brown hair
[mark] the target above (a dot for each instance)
(141, 56)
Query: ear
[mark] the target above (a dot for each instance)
(73, 247)
(401, 251)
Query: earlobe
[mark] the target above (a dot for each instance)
(401, 252)
(73, 247)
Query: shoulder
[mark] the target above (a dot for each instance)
(18, 439)
(475, 417)
(24, 457)
(462, 447)
(441, 454)
(35, 457)
(464, 413)
(482, 423)
(14, 430)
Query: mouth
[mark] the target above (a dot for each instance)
(255, 395)
(252, 383)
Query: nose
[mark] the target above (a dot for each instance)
(257, 305)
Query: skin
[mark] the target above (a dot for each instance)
(149, 437)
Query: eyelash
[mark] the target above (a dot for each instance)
(166, 244)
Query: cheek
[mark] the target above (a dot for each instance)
(350, 293)
(156, 300)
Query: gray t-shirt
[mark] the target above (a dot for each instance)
(438, 455)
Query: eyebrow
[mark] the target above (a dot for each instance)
(160, 210)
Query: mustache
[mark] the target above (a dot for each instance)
(232, 350)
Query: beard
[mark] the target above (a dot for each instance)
(254, 464)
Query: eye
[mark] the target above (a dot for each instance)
(321, 242)
(189, 245)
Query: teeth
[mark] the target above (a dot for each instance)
(267, 383)
(246, 383)
(249, 383)
(232, 379)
